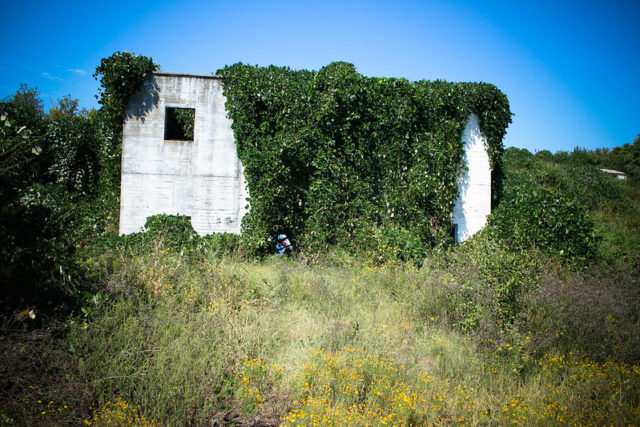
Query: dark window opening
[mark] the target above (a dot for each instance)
(179, 123)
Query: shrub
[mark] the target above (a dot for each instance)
(482, 286)
(175, 229)
(536, 218)
(72, 147)
(166, 232)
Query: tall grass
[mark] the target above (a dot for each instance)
(178, 330)
(194, 339)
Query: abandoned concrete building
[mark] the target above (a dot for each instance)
(199, 175)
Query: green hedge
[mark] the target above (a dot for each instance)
(331, 154)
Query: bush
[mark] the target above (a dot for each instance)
(482, 287)
(175, 229)
(386, 244)
(570, 175)
(536, 218)
(34, 244)
(72, 147)
(169, 233)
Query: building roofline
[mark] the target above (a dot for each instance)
(613, 171)
(206, 76)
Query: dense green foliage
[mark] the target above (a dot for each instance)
(560, 211)
(551, 201)
(72, 149)
(120, 76)
(19, 153)
(60, 175)
(26, 108)
(32, 242)
(531, 216)
(331, 155)
(176, 233)
(625, 158)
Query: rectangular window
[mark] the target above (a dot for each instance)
(179, 123)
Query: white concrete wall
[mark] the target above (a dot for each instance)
(202, 178)
(474, 188)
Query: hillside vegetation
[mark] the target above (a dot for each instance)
(533, 321)
(179, 329)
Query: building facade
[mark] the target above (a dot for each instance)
(179, 157)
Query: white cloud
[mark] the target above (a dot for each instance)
(49, 76)
(77, 71)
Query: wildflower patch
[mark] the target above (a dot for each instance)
(352, 386)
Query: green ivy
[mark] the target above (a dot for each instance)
(168, 232)
(185, 119)
(120, 76)
(331, 155)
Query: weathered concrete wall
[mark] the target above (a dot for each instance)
(474, 200)
(202, 178)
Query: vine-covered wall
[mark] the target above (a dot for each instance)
(333, 157)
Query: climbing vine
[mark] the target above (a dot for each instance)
(331, 156)
(120, 76)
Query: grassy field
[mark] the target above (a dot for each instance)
(177, 340)
(477, 334)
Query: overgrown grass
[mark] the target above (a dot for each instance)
(202, 338)
(175, 329)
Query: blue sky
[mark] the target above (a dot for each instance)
(571, 69)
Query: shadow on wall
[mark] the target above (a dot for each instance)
(462, 230)
(145, 100)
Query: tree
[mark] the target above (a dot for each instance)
(20, 227)
(72, 147)
(67, 107)
(18, 151)
(26, 108)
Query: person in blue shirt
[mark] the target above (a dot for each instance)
(283, 246)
